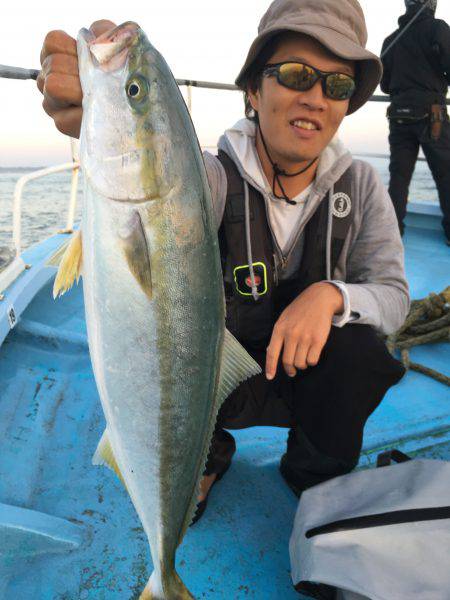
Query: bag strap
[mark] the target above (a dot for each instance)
(386, 458)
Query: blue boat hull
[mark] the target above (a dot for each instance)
(87, 542)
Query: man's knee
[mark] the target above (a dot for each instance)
(359, 348)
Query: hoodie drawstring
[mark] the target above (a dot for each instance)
(277, 172)
(248, 241)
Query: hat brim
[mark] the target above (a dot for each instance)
(368, 74)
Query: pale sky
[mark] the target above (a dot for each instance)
(200, 39)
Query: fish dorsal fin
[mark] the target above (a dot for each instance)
(236, 366)
(104, 456)
(69, 266)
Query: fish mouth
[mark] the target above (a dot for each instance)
(110, 50)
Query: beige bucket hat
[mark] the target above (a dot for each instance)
(339, 25)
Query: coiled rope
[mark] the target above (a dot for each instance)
(428, 321)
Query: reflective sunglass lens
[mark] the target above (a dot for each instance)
(297, 76)
(340, 86)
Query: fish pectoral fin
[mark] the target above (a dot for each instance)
(237, 365)
(104, 456)
(69, 265)
(135, 248)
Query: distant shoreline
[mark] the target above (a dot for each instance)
(212, 149)
(19, 169)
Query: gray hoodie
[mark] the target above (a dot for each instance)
(372, 260)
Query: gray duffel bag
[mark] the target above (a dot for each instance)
(377, 534)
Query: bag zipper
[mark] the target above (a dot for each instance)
(396, 517)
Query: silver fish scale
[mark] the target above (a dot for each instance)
(155, 361)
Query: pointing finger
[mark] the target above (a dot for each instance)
(273, 354)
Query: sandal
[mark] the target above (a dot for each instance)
(201, 506)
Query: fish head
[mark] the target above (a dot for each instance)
(127, 141)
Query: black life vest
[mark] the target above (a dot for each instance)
(251, 321)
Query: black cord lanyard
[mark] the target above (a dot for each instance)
(277, 172)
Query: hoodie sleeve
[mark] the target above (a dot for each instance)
(385, 83)
(375, 279)
(442, 41)
(218, 184)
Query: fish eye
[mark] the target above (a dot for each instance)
(134, 90)
(137, 88)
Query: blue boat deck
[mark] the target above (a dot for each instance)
(83, 539)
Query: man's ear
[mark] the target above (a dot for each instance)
(253, 96)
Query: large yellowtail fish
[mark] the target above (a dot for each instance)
(148, 251)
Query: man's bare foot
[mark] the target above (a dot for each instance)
(205, 485)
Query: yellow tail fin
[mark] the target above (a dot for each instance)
(169, 588)
(70, 267)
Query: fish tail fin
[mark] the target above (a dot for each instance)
(167, 587)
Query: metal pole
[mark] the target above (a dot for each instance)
(208, 85)
(17, 72)
(189, 98)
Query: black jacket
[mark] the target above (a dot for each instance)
(417, 68)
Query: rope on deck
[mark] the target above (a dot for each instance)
(428, 322)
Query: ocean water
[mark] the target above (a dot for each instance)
(45, 201)
(45, 204)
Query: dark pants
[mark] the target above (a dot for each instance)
(405, 140)
(325, 407)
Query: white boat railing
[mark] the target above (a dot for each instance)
(17, 206)
(74, 166)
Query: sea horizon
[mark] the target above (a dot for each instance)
(45, 201)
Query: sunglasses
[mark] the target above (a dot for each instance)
(301, 77)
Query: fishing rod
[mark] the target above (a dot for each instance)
(419, 12)
(18, 72)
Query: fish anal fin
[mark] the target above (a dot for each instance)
(237, 365)
(70, 265)
(104, 455)
(135, 248)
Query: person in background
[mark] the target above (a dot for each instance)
(416, 76)
(311, 254)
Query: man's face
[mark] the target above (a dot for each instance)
(281, 110)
